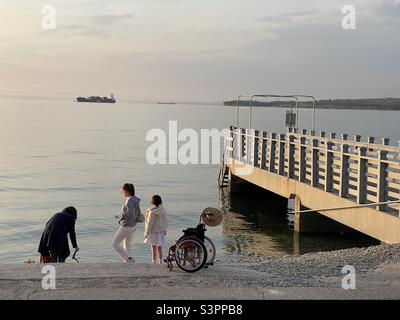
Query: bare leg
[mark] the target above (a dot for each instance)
(154, 253)
(160, 255)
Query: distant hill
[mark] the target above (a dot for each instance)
(357, 104)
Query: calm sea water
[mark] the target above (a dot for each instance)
(60, 153)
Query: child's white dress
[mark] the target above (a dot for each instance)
(156, 239)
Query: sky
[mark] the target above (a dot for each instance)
(200, 50)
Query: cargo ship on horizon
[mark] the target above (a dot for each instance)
(97, 99)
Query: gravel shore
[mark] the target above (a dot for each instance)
(310, 276)
(307, 269)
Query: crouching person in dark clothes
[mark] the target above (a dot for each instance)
(54, 245)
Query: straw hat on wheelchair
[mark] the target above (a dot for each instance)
(212, 217)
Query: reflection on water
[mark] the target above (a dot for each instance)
(258, 225)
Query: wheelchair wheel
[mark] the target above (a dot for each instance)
(190, 254)
(211, 250)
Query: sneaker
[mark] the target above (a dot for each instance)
(130, 259)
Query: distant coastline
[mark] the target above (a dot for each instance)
(389, 104)
(351, 104)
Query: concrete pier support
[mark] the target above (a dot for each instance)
(313, 222)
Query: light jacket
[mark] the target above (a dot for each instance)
(156, 220)
(129, 212)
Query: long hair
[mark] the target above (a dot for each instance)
(130, 188)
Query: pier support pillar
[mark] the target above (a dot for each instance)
(313, 222)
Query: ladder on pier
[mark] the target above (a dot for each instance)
(223, 177)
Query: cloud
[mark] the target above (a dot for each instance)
(95, 26)
(384, 15)
(391, 9)
(392, 2)
(110, 19)
(305, 13)
(69, 30)
(99, 33)
(276, 20)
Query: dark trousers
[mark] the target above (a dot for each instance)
(54, 258)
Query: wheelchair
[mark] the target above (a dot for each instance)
(194, 250)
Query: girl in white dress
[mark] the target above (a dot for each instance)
(156, 224)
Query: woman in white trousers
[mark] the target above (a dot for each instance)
(122, 243)
(127, 219)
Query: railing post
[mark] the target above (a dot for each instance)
(272, 149)
(362, 176)
(291, 157)
(264, 150)
(382, 179)
(236, 141)
(328, 166)
(281, 165)
(371, 140)
(249, 146)
(242, 141)
(314, 164)
(385, 141)
(344, 171)
(302, 159)
(256, 148)
(231, 144)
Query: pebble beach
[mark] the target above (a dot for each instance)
(309, 276)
